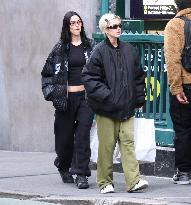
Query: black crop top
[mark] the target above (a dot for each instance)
(76, 62)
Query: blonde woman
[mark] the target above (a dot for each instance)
(114, 83)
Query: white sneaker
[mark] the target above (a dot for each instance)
(142, 184)
(107, 189)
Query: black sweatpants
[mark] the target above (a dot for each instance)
(72, 135)
(181, 117)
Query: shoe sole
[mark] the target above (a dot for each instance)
(68, 182)
(181, 182)
(142, 188)
(108, 192)
(81, 186)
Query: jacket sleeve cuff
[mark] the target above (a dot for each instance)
(175, 91)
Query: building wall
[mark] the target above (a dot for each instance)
(29, 29)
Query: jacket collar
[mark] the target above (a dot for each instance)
(109, 43)
(184, 12)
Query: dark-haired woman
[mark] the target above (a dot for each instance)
(61, 84)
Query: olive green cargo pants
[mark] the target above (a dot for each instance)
(109, 133)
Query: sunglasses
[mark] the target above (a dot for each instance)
(115, 26)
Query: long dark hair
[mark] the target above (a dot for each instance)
(66, 35)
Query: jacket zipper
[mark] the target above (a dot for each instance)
(66, 66)
(86, 57)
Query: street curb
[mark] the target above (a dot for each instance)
(102, 201)
(68, 200)
(19, 195)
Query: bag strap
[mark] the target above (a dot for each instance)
(183, 18)
(187, 30)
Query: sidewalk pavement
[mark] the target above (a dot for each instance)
(30, 178)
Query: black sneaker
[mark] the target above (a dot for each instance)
(66, 176)
(181, 178)
(82, 182)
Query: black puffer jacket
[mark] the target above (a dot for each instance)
(114, 81)
(54, 74)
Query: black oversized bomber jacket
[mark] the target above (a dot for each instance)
(54, 74)
(114, 80)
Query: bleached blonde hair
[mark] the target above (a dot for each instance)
(104, 21)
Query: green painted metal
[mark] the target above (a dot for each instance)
(120, 8)
(134, 38)
(104, 8)
(161, 85)
(148, 82)
(151, 49)
(133, 26)
(155, 79)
